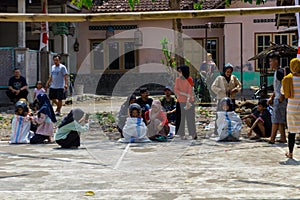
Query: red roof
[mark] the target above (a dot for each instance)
(101, 6)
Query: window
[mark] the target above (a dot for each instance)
(263, 42)
(211, 47)
(115, 55)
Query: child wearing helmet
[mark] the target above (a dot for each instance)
(135, 129)
(21, 108)
(229, 124)
(20, 125)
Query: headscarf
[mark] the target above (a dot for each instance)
(46, 107)
(227, 66)
(287, 81)
(153, 115)
(75, 114)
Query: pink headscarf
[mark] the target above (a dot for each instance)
(153, 115)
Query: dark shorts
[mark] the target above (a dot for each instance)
(58, 94)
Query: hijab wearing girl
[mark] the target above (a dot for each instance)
(227, 66)
(152, 114)
(46, 107)
(75, 114)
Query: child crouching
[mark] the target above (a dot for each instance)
(135, 129)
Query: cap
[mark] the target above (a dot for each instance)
(167, 88)
(142, 90)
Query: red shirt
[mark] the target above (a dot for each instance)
(185, 86)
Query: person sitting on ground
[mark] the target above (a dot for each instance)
(45, 119)
(68, 133)
(135, 129)
(144, 101)
(17, 87)
(157, 123)
(229, 123)
(168, 104)
(259, 121)
(20, 124)
(123, 113)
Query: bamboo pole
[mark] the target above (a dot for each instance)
(154, 15)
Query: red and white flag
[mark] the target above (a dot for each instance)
(298, 26)
(44, 28)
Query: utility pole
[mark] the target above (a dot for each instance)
(21, 25)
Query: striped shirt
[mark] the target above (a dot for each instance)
(293, 108)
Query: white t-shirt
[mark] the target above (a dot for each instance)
(58, 73)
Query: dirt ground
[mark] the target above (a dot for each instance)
(178, 169)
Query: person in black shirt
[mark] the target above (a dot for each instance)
(144, 101)
(17, 87)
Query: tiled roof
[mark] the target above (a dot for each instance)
(285, 19)
(102, 6)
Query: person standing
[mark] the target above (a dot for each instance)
(278, 100)
(58, 82)
(226, 85)
(185, 108)
(291, 90)
(17, 87)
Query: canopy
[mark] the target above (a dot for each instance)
(283, 50)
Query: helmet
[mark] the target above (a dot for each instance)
(135, 106)
(20, 104)
(228, 102)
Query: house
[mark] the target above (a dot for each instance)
(118, 57)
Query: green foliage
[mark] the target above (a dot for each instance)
(105, 118)
(198, 5)
(166, 48)
(80, 3)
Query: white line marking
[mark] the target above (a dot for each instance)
(122, 156)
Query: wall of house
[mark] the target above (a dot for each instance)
(232, 34)
(7, 39)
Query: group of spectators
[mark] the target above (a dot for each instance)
(43, 117)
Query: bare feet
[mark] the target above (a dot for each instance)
(289, 155)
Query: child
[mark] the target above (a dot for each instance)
(259, 121)
(135, 129)
(37, 90)
(157, 122)
(20, 130)
(123, 113)
(44, 120)
(229, 124)
(68, 133)
(22, 108)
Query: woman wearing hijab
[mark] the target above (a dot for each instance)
(226, 85)
(45, 119)
(185, 108)
(157, 122)
(68, 133)
(291, 90)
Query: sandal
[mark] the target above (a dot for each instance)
(289, 155)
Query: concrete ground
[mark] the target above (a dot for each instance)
(179, 169)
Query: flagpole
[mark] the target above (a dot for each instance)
(44, 28)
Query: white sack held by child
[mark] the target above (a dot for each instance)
(20, 130)
(229, 123)
(135, 129)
